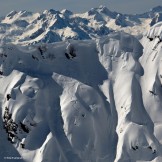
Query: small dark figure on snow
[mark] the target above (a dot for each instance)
(1, 73)
(83, 115)
(72, 52)
(35, 58)
(151, 39)
(40, 50)
(67, 55)
(24, 127)
(135, 148)
(22, 145)
(8, 97)
(150, 147)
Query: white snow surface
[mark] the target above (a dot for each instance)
(83, 100)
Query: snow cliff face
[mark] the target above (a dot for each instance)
(82, 101)
(30, 28)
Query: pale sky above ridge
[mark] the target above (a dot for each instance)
(123, 6)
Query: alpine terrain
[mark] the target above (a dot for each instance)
(81, 87)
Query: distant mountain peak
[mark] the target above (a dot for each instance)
(25, 13)
(12, 13)
(156, 9)
(66, 12)
(104, 9)
(51, 11)
(101, 8)
(98, 21)
(92, 11)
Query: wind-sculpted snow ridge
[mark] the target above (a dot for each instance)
(26, 28)
(151, 82)
(81, 101)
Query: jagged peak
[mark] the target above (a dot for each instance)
(119, 15)
(51, 11)
(156, 9)
(24, 13)
(49, 15)
(12, 13)
(103, 9)
(66, 12)
(92, 11)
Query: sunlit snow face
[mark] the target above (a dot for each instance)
(138, 143)
(78, 124)
(86, 120)
(121, 52)
(131, 64)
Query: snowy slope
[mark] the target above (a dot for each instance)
(25, 27)
(151, 81)
(82, 101)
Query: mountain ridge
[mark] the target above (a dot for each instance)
(97, 99)
(20, 27)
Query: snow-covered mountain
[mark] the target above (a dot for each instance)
(82, 100)
(52, 26)
(79, 87)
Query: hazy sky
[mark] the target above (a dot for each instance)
(124, 6)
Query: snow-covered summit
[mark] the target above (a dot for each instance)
(66, 12)
(157, 18)
(156, 9)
